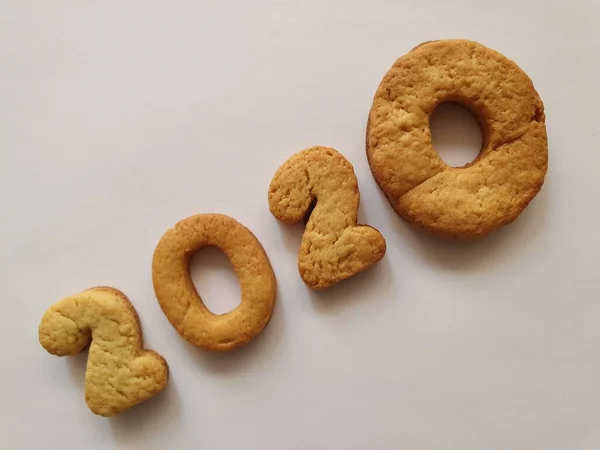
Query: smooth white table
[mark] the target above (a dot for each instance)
(117, 119)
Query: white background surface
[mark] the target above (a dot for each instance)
(117, 119)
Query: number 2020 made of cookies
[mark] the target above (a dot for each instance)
(319, 185)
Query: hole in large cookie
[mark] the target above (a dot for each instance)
(215, 280)
(455, 133)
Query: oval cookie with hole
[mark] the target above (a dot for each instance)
(492, 191)
(177, 294)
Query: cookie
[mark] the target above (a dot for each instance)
(119, 372)
(177, 294)
(321, 183)
(485, 194)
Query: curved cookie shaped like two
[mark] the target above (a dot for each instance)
(177, 294)
(479, 197)
(119, 372)
(333, 246)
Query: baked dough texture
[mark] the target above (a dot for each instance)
(119, 372)
(177, 294)
(485, 194)
(333, 246)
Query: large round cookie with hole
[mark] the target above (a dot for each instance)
(491, 191)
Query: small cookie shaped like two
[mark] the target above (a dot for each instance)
(320, 183)
(119, 372)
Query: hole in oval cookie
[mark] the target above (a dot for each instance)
(215, 280)
(455, 133)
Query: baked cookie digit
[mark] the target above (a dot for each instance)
(119, 372)
(177, 294)
(333, 246)
(479, 197)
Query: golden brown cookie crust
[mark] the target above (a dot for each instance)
(333, 246)
(119, 372)
(177, 294)
(509, 171)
